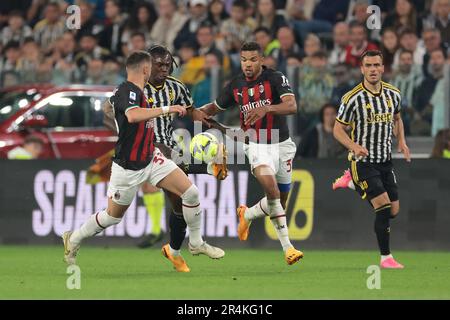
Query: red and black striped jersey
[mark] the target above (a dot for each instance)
(134, 148)
(267, 89)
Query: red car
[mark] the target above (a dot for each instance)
(69, 120)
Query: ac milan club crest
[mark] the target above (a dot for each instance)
(261, 88)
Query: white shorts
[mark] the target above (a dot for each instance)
(277, 156)
(124, 183)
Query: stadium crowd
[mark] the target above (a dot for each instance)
(315, 42)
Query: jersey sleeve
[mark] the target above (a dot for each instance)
(125, 99)
(225, 100)
(281, 84)
(397, 102)
(184, 97)
(345, 113)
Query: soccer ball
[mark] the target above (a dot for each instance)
(204, 147)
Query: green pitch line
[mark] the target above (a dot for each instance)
(128, 273)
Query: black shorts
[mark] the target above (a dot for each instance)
(373, 179)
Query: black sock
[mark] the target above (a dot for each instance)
(201, 168)
(382, 228)
(177, 227)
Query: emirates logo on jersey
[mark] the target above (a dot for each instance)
(252, 105)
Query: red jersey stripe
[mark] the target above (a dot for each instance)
(269, 117)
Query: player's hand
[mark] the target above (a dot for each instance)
(254, 115)
(403, 148)
(360, 152)
(180, 110)
(199, 115)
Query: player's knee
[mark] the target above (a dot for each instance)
(394, 212)
(273, 193)
(191, 196)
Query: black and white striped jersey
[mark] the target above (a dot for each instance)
(172, 92)
(371, 116)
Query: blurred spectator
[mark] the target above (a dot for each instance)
(65, 70)
(201, 91)
(286, 38)
(270, 62)
(16, 30)
(32, 148)
(404, 17)
(315, 87)
(358, 44)
(169, 23)
(95, 73)
(407, 78)
(237, 28)
(432, 41)
(319, 141)
(441, 148)
(267, 16)
(409, 41)
(217, 14)
(137, 42)
(141, 20)
(113, 72)
(312, 45)
(206, 41)
(300, 9)
(389, 46)
(198, 14)
(35, 12)
(429, 99)
(9, 78)
(88, 25)
(265, 40)
(48, 30)
(30, 60)
(89, 50)
(331, 10)
(111, 36)
(440, 19)
(343, 83)
(341, 38)
(10, 57)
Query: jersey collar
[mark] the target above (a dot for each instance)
(376, 94)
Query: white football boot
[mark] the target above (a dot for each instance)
(208, 250)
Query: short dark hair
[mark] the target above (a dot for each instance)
(321, 54)
(33, 139)
(138, 34)
(371, 53)
(136, 58)
(240, 3)
(402, 51)
(251, 46)
(262, 29)
(439, 50)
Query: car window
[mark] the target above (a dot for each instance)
(11, 102)
(66, 111)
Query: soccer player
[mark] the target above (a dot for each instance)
(264, 97)
(372, 108)
(161, 90)
(138, 160)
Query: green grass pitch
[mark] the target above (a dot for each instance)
(127, 273)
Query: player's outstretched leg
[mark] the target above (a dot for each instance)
(95, 224)
(247, 215)
(278, 219)
(177, 182)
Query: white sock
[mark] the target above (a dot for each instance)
(351, 185)
(96, 223)
(191, 214)
(174, 252)
(260, 209)
(209, 168)
(278, 219)
(385, 257)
